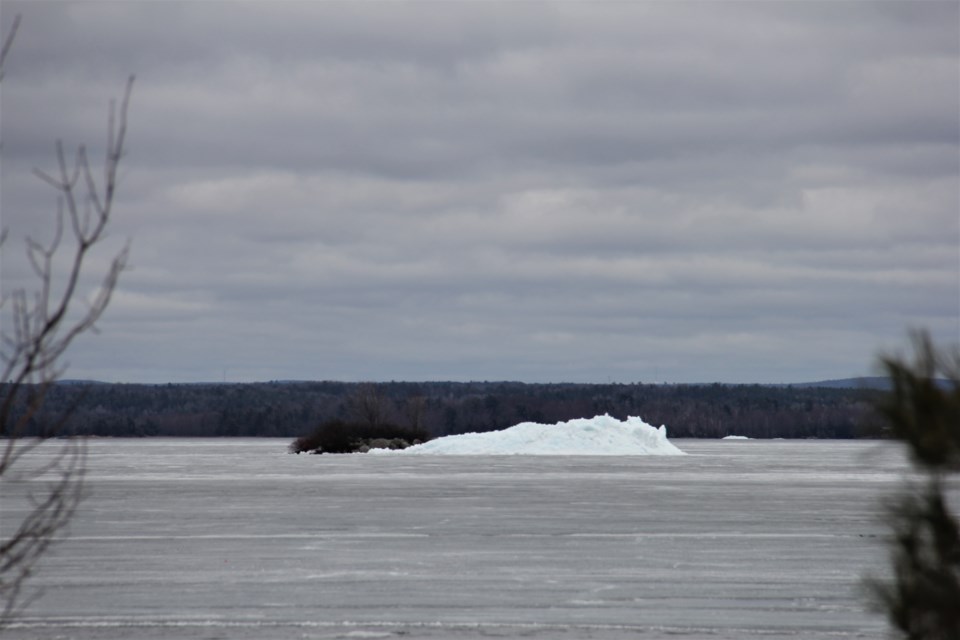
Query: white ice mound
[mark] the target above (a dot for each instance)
(599, 436)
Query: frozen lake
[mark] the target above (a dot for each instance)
(238, 539)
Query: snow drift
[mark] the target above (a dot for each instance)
(599, 436)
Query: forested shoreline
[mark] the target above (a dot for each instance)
(291, 409)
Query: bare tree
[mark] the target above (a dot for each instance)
(42, 323)
(415, 409)
(368, 406)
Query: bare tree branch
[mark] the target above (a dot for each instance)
(8, 42)
(43, 325)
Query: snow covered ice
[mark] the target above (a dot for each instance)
(598, 436)
(192, 539)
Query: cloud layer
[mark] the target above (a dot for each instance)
(529, 191)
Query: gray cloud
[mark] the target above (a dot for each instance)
(536, 191)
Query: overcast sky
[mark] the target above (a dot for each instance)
(534, 191)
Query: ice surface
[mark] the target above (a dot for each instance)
(598, 436)
(231, 538)
(735, 438)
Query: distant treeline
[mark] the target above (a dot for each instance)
(291, 409)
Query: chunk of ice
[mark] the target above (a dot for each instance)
(598, 436)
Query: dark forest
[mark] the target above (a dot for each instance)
(290, 409)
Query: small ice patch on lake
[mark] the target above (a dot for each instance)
(735, 438)
(599, 436)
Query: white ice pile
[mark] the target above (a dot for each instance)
(599, 436)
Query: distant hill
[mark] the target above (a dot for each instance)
(869, 382)
(875, 383)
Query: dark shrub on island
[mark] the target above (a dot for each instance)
(337, 436)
